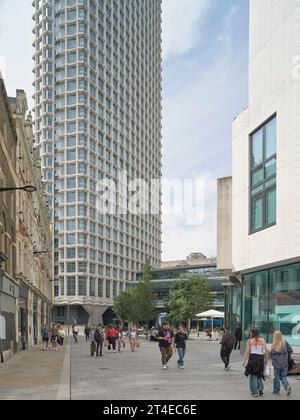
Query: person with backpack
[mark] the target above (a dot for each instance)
(99, 339)
(227, 345)
(45, 338)
(281, 353)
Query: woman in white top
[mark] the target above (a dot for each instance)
(255, 360)
(133, 337)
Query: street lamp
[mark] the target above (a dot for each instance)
(26, 188)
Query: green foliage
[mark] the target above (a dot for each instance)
(137, 303)
(189, 296)
(123, 306)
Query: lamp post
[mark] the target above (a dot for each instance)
(26, 188)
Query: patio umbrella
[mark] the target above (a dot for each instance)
(211, 314)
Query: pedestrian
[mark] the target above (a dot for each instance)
(227, 345)
(133, 337)
(45, 337)
(280, 353)
(75, 333)
(180, 343)
(92, 341)
(165, 338)
(61, 336)
(111, 334)
(121, 339)
(87, 331)
(99, 339)
(238, 337)
(255, 360)
(54, 334)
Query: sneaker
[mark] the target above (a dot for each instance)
(165, 367)
(228, 368)
(255, 395)
(261, 393)
(289, 391)
(181, 367)
(115, 351)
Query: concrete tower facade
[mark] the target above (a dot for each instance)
(98, 115)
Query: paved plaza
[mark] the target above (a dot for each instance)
(76, 375)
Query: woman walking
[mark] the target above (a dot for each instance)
(61, 336)
(280, 353)
(133, 337)
(255, 360)
(45, 337)
(121, 339)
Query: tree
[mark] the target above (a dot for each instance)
(189, 296)
(138, 302)
(124, 306)
(145, 296)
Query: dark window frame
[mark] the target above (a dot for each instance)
(268, 184)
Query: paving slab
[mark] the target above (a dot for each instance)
(139, 376)
(32, 375)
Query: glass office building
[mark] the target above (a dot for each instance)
(164, 279)
(97, 113)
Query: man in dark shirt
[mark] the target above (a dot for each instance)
(227, 345)
(238, 337)
(180, 344)
(165, 338)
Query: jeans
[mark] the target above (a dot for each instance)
(166, 354)
(225, 356)
(280, 377)
(256, 384)
(100, 347)
(181, 353)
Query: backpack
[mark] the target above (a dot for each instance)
(98, 336)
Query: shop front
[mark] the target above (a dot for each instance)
(23, 317)
(9, 291)
(271, 301)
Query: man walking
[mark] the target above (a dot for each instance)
(227, 345)
(87, 331)
(99, 339)
(111, 334)
(180, 343)
(238, 337)
(76, 333)
(165, 338)
(92, 340)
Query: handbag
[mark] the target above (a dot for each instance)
(267, 371)
(291, 364)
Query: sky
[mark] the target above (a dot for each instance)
(205, 85)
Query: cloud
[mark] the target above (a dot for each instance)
(181, 238)
(182, 23)
(211, 88)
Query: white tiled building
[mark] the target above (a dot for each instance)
(98, 111)
(265, 199)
